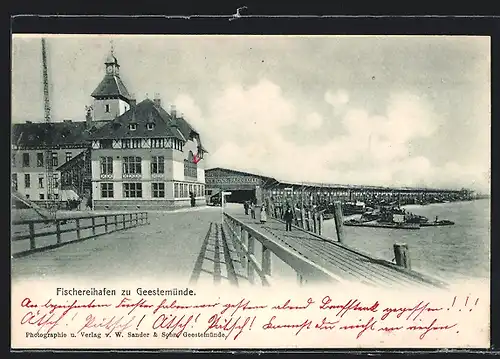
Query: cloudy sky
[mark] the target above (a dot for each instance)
(409, 111)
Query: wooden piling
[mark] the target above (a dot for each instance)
(303, 218)
(320, 223)
(315, 222)
(402, 255)
(339, 221)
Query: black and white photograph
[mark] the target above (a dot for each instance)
(249, 163)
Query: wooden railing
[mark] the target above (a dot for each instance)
(53, 230)
(311, 220)
(244, 237)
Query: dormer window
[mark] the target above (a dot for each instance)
(150, 126)
(132, 127)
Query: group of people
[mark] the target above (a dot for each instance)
(250, 205)
(287, 215)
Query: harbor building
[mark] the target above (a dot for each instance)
(30, 141)
(147, 158)
(242, 185)
(123, 155)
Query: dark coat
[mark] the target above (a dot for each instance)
(288, 215)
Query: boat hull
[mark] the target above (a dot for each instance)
(437, 224)
(382, 225)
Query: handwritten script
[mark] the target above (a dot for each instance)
(173, 318)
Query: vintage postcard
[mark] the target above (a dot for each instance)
(197, 192)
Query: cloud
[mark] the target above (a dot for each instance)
(313, 121)
(248, 129)
(338, 98)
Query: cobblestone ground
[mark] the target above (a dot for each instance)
(167, 247)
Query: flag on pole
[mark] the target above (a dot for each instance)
(196, 158)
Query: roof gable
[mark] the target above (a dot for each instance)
(111, 85)
(144, 115)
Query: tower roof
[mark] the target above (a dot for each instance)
(111, 59)
(111, 86)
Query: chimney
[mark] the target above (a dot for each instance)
(88, 116)
(173, 114)
(132, 101)
(157, 100)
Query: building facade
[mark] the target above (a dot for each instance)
(124, 156)
(147, 159)
(242, 185)
(30, 141)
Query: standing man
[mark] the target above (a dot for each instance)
(288, 217)
(245, 205)
(193, 199)
(252, 210)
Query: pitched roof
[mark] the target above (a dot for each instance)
(237, 172)
(111, 85)
(41, 134)
(185, 128)
(143, 113)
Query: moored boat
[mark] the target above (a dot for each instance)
(442, 222)
(376, 224)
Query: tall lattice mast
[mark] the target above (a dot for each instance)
(48, 151)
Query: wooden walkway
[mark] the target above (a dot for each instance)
(344, 263)
(218, 259)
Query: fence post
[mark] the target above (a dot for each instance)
(136, 219)
(339, 220)
(32, 235)
(251, 250)
(78, 228)
(58, 231)
(116, 221)
(402, 255)
(105, 223)
(123, 221)
(244, 240)
(93, 226)
(266, 261)
(130, 220)
(300, 279)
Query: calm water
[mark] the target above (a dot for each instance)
(449, 252)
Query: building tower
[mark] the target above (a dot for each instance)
(111, 97)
